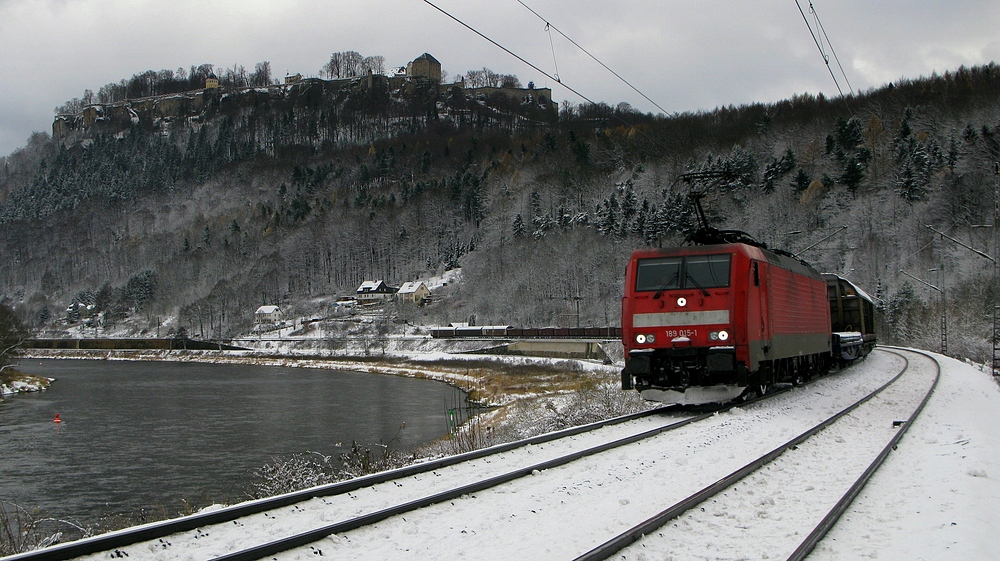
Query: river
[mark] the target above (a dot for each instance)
(151, 435)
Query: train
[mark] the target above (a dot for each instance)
(506, 331)
(716, 322)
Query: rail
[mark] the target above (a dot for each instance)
(634, 534)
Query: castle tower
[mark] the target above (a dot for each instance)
(424, 66)
(212, 82)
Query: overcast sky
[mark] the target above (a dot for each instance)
(686, 55)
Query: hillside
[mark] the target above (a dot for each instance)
(294, 196)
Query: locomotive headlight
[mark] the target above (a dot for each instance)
(650, 338)
(719, 336)
(640, 338)
(681, 302)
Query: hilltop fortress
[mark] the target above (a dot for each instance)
(160, 112)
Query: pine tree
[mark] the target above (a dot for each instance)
(519, 228)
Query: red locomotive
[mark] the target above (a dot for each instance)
(727, 318)
(705, 323)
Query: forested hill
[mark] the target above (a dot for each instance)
(295, 195)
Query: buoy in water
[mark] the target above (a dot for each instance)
(57, 419)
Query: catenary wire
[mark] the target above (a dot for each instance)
(508, 51)
(548, 31)
(826, 59)
(536, 68)
(548, 25)
(819, 25)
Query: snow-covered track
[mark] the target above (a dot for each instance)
(160, 532)
(651, 539)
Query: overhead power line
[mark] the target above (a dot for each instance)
(508, 51)
(537, 69)
(819, 24)
(548, 25)
(819, 45)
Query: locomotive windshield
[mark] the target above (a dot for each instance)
(692, 271)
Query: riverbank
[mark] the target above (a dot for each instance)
(14, 382)
(519, 396)
(490, 380)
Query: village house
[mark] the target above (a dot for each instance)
(415, 292)
(267, 314)
(374, 291)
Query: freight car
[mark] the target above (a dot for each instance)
(852, 318)
(711, 323)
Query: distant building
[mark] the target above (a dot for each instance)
(293, 78)
(531, 95)
(212, 82)
(267, 314)
(415, 292)
(424, 66)
(374, 291)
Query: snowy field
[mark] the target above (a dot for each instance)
(936, 497)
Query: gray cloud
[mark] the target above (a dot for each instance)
(687, 55)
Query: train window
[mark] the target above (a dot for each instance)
(662, 273)
(707, 271)
(695, 271)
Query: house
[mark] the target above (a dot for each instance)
(415, 292)
(424, 66)
(542, 97)
(267, 314)
(374, 291)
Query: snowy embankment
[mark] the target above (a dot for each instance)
(934, 498)
(938, 495)
(12, 383)
(454, 362)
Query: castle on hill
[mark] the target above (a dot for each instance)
(112, 118)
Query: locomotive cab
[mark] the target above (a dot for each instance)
(705, 323)
(679, 324)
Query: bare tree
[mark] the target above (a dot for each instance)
(509, 81)
(349, 64)
(13, 334)
(261, 75)
(373, 64)
(487, 78)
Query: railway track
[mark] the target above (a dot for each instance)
(350, 514)
(691, 529)
(529, 452)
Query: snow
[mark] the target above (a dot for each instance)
(936, 497)
(24, 385)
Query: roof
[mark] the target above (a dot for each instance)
(411, 287)
(378, 287)
(267, 310)
(426, 56)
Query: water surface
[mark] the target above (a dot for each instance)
(152, 434)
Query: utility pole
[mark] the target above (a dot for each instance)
(996, 274)
(944, 318)
(996, 271)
